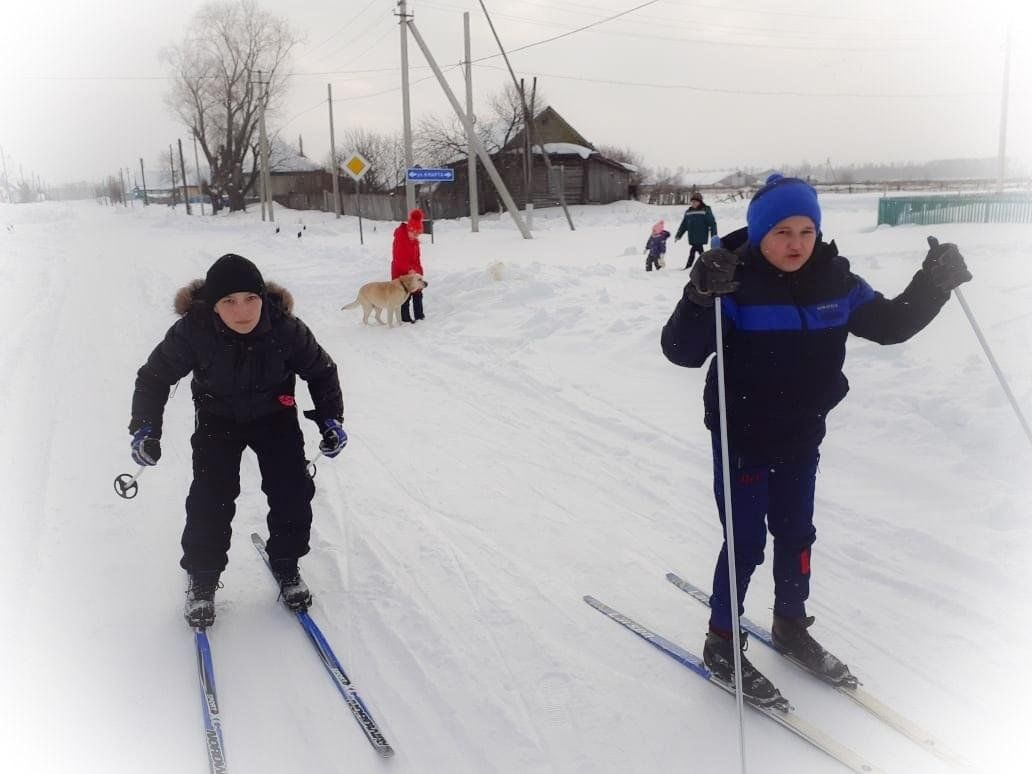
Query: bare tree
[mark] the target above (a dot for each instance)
(628, 156)
(216, 91)
(442, 140)
(438, 140)
(385, 153)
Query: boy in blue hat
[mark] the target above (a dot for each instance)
(789, 303)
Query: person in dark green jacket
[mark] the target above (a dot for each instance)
(700, 224)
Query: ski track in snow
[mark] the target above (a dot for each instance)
(525, 445)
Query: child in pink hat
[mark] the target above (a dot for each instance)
(655, 247)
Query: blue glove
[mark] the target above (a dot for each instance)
(333, 438)
(714, 243)
(145, 450)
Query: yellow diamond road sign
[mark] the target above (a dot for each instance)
(356, 166)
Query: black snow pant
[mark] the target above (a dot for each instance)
(696, 250)
(653, 260)
(218, 444)
(416, 312)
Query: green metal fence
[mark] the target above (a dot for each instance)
(962, 208)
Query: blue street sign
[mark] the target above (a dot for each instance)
(430, 174)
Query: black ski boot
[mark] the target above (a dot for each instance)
(293, 591)
(792, 640)
(718, 655)
(200, 599)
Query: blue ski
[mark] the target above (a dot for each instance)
(872, 705)
(210, 705)
(784, 718)
(335, 670)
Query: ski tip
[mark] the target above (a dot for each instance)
(258, 540)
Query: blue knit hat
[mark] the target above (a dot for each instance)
(780, 198)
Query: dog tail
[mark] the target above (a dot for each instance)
(352, 305)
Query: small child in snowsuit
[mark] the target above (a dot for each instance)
(243, 344)
(655, 247)
(405, 260)
(700, 224)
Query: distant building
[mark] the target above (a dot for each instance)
(718, 178)
(296, 180)
(584, 174)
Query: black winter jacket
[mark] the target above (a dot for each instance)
(239, 377)
(785, 344)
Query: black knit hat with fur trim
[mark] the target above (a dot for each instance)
(232, 274)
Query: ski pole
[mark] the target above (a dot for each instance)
(126, 485)
(729, 531)
(310, 465)
(993, 363)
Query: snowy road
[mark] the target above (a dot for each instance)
(525, 445)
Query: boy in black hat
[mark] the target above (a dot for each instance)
(790, 302)
(244, 346)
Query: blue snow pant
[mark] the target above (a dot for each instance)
(782, 495)
(218, 444)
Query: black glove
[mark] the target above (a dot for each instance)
(334, 439)
(145, 450)
(712, 275)
(945, 266)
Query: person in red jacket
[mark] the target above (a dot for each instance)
(406, 261)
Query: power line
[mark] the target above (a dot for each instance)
(573, 31)
(306, 110)
(750, 92)
(358, 36)
(750, 11)
(340, 29)
(702, 26)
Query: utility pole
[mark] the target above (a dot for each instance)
(182, 167)
(121, 184)
(172, 166)
(333, 156)
(528, 120)
(143, 177)
(471, 156)
(7, 183)
(266, 177)
(1002, 162)
(197, 166)
(492, 172)
(527, 199)
(406, 113)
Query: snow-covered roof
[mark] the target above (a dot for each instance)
(559, 148)
(705, 177)
(286, 159)
(628, 167)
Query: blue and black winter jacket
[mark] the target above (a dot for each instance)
(785, 344)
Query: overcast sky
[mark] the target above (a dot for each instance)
(697, 84)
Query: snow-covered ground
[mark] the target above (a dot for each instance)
(523, 446)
